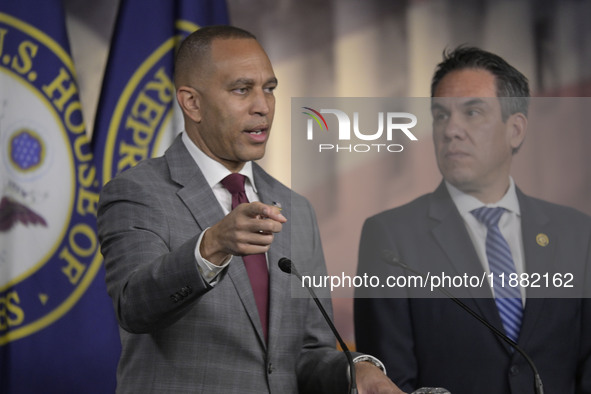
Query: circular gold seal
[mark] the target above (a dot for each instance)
(49, 254)
(542, 239)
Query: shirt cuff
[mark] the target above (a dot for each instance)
(370, 359)
(208, 270)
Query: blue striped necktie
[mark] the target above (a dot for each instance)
(500, 260)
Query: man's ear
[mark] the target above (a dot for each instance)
(189, 101)
(517, 128)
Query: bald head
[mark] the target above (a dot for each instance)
(195, 51)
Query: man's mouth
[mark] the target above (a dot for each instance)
(258, 133)
(455, 153)
(257, 130)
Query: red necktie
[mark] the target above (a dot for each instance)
(256, 264)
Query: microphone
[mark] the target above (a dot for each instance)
(288, 267)
(393, 259)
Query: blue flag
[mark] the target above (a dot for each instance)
(138, 116)
(58, 332)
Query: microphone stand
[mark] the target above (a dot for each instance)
(391, 258)
(288, 267)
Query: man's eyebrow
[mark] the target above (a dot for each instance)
(437, 106)
(242, 81)
(250, 82)
(474, 101)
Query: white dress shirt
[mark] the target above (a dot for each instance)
(509, 224)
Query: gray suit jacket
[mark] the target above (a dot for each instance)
(433, 342)
(179, 334)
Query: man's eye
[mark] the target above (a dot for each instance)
(269, 89)
(241, 90)
(440, 116)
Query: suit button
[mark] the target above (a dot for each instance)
(178, 296)
(270, 368)
(514, 370)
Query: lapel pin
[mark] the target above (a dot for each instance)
(542, 239)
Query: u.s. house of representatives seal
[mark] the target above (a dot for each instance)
(48, 187)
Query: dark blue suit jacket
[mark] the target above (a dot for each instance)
(433, 342)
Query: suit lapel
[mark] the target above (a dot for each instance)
(538, 259)
(206, 210)
(450, 233)
(239, 277)
(194, 190)
(269, 191)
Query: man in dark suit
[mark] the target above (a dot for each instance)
(191, 242)
(479, 107)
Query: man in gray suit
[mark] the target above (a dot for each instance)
(192, 266)
(479, 107)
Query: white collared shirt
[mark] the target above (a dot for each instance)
(214, 172)
(509, 224)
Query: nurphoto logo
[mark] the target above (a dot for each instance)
(379, 140)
